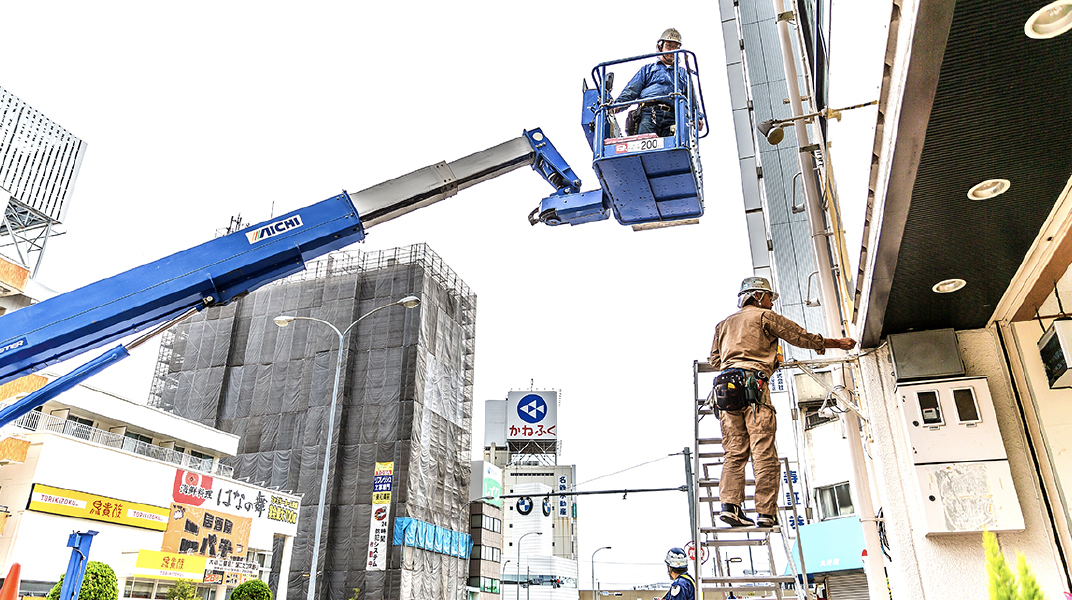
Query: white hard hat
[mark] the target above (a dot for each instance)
(677, 559)
(670, 35)
(751, 285)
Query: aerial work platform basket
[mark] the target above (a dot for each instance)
(647, 179)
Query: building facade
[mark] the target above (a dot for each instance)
(540, 517)
(399, 473)
(150, 483)
(486, 529)
(957, 299)
(811, 436)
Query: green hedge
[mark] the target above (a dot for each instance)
(254, 589)
(99, 583)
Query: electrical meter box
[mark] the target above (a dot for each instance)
(951, 420)
(925, 355)
(1055, 348)
(962, 471)
(968, 497)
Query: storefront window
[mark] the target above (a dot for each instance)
(156, 590)
(139, 589)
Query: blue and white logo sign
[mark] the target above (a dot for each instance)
(546, 506)
(532, 416)
(524, 505)
(532, 408)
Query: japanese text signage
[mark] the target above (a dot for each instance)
(532, 416)
(69, 503)
(230, 572)
(168, 565)
(563, 501)
(283, 510)
(206, 532)
(382, 483)
(279, 512)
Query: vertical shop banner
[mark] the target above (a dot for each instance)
(492, 484)
(206, 532)
(381, 508)
(563, 501)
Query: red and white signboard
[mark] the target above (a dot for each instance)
(690, 549)
(532, 416)
(276, 510)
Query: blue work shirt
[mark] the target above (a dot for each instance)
(656, 79)
(683, 588)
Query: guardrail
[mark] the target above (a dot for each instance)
(38, 421)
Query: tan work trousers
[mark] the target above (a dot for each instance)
(750, 432)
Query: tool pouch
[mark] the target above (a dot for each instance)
(731, 391)
(632, 121)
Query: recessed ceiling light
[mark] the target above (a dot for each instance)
(989, 188)
(1050, 21)
(948, 286)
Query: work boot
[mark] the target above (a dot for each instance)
(732, 514)
(763, 520)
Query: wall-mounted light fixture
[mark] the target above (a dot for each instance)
(772, 128)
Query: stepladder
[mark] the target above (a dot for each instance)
(741, 562)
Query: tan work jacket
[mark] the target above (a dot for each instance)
(748, 339)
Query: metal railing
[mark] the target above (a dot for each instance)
(38, 421)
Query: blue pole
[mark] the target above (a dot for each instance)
(57, 386)
(76, 567)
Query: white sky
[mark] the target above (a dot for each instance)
(197, 112)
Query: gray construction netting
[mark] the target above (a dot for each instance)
(405, 396)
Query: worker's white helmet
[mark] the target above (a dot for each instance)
(677, 559)
(670, 35)
(750, 286)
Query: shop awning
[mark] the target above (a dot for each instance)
(834, 545)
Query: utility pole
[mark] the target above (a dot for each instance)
(836, 324)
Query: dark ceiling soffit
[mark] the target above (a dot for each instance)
(928, 48)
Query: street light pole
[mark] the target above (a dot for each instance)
(594, 570)
(519, 560)
(732, 559)
(283, 321)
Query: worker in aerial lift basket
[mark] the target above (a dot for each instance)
(682, 585)
(654, 80)
(745, 349)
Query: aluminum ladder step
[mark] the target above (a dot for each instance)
(771, 579)
(728, 529)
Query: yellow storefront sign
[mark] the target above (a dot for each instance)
(69, 503)
(168, 565)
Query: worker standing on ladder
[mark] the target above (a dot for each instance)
(682, 585)
(745, 349)
(654, 81)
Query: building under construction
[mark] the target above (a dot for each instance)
(403, 414)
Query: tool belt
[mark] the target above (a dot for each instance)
(658, 106)
(736, 389)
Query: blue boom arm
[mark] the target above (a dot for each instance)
(228, 267)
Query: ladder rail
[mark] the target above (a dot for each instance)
(708, 458)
